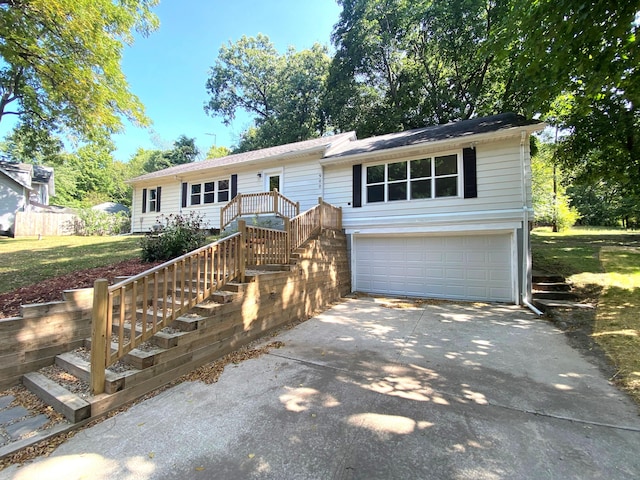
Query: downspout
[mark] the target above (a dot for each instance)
(526, 265)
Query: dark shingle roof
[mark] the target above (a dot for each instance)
(42, 174)
(432, 134)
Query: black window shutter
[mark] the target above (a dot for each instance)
(357, 185)
(144, 200)
(469, 172)
(234, 185)
(184, 194)
(158, 191)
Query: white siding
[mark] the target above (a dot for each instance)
(499, 182)
(301, 181)
(12, 197)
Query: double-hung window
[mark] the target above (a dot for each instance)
(431, 177)
(151, 199)
(208, 192)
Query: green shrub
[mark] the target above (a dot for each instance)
(92, 222)
(175, 235)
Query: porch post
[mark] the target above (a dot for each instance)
(275, 200)
(287, 229)
(99, 335)
(242, 229)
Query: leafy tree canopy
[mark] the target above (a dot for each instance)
(283, 93)
(218, 151)
(60, 64)
(403, 64)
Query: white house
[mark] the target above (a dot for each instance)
(438, 212)
(22, 185)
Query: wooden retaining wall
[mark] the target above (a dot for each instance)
(32, 341)
(320, 277)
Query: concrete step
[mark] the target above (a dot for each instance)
(74, 408)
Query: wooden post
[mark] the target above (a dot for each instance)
(242, 229)
(339, 218)
(320, 212)
(275, 200)
(99, 335)
(297, 209)
(287, 229)
(238, 200)
(221, 219)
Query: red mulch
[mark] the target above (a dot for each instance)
(51, 290)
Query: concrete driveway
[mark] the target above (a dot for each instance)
(368, 391)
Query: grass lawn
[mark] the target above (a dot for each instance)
(608, 260)
(26, 261)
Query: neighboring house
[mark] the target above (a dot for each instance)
(22, 186)
(437, 212)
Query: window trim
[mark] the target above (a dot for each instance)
(432, 178)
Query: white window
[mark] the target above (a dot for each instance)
(208, 192)
(153, 200)
(431, 177)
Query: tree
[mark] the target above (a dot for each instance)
(580, 60)
(184, 151)
(551, 204)
(60, 68)
(87, 177)
(283, 93)
(403, 64)
(218, 151)
(572, 46)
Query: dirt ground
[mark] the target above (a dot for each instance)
(51, 290)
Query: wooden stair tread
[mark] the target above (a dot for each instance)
(62, 400)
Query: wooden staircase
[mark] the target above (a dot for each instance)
(208, 331)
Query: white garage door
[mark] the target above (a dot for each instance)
(475, 267)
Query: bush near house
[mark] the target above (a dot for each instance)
(174, 235)
(97, 222)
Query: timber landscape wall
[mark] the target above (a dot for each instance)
(318, 276)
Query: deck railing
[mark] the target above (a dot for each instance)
(256, 204)
(264, 246)
(130, 312)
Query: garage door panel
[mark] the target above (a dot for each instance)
(469, 267)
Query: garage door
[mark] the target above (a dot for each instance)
(475, 267)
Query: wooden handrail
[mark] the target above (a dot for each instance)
(132, 311)
(256, 204)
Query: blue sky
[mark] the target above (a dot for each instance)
(168, 69)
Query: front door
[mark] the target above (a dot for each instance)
(272, 180)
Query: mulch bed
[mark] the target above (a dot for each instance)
(50, 290)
